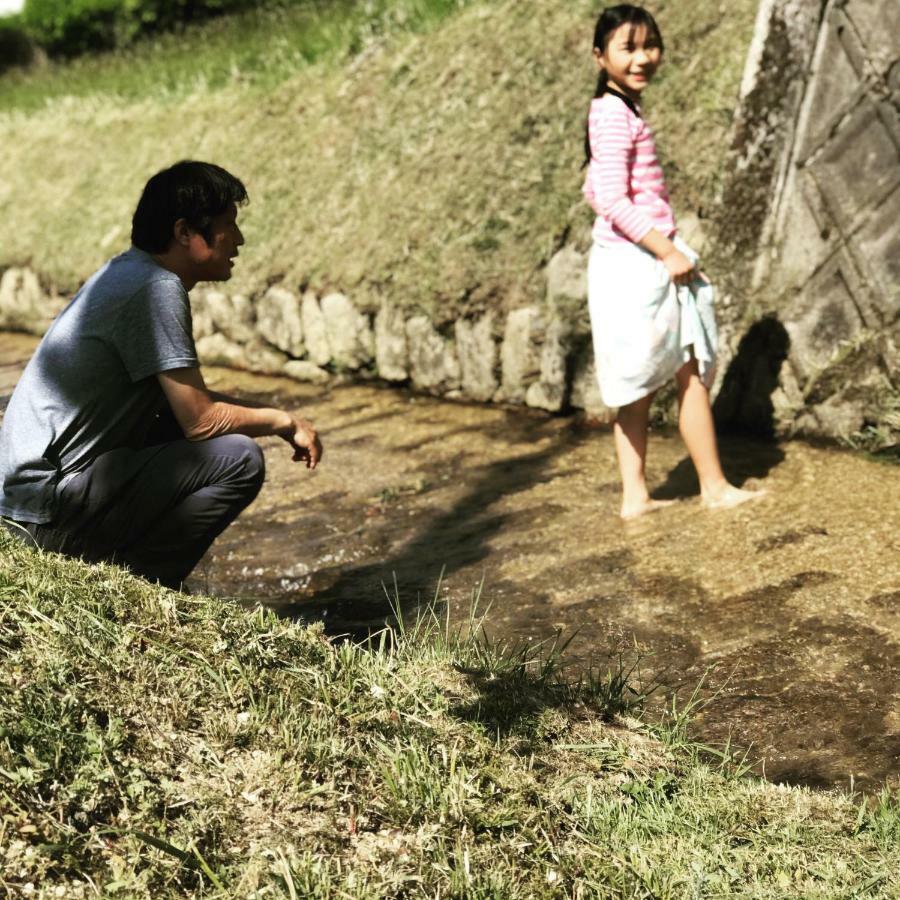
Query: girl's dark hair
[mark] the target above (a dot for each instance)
(190, 190)
(609, 20)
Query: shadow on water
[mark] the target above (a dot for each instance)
(362, 597)
(742, 459)
(744, 413)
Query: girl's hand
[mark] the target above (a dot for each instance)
(679, 267)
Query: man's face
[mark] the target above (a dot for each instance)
(214, 260)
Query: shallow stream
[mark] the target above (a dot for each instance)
(787, 609)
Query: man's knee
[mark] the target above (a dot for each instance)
(248, 454)
(238, 462)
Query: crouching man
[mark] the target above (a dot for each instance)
(112, 448)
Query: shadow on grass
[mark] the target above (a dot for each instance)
(514, 700)
(513, 684)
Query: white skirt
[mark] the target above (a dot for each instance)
(645, 328)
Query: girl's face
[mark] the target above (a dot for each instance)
(631, 58)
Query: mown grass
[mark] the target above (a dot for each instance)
(155, 744)
(259, 47)
(434, 160)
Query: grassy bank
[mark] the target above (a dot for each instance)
(262, 46)
(430, 152)
(155, 744)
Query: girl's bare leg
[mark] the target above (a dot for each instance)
(630, 432)
(695, 421)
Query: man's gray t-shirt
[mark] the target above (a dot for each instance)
(90, 386)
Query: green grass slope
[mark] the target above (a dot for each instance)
(433, 157)
(154, 744)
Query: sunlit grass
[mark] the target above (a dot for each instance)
(154, 744)
(259, 48)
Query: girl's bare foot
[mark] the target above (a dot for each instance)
(730, 496)
(634, 510)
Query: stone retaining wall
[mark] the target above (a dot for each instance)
(528, 357)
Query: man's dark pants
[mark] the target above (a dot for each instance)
(155, 510)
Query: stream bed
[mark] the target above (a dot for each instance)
(786, 611)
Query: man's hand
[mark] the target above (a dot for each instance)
(304, 438)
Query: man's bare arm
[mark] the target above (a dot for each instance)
(203, 414)
(236, 401)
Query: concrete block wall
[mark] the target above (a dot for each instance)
(818, 153)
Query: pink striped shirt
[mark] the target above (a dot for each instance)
(624, 182)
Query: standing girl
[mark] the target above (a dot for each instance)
(651, 309)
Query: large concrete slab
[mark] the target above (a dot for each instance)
(826, 256)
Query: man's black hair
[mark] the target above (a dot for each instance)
(190, 190)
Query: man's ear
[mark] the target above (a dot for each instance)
(181, 232)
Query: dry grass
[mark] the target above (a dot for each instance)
(440, 168)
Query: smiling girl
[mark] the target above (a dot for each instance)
(651, 309)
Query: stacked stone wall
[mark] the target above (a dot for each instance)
(527, 357)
